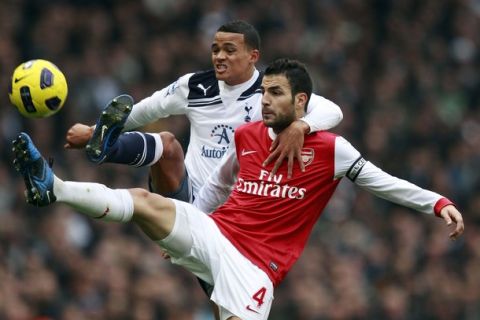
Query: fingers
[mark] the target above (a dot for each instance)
(458, 229)
(270, 158)
(291, 163)
(286, 146)
(165, 255)
(280, 156)
(451, 215)
(456, 233)
(298, 156)
(67, 146)
(290, 166)
(447, 219)
(277, 165)
(274, 145)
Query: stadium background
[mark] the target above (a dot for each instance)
(405, 74)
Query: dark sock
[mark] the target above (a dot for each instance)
(133, 148)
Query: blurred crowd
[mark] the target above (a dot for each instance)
(405, 74)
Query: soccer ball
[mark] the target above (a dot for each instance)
(38, 89)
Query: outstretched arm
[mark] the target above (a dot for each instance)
(349, 163)
(322, 114)
(163, 103)
(410, 195)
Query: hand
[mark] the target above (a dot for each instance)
(78, 136)
(451, 215)
(288, 144)
(165, 255)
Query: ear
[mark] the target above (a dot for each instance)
(301, 99)
(254, 56)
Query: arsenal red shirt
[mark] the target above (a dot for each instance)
(269, 219)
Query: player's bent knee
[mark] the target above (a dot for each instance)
(153, 213)
(167, 174)
(171, 147)
(145, 200)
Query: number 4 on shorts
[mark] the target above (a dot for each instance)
(259, 296)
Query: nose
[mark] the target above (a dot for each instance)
(265, 99)
(220, 55)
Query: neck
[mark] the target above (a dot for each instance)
(279, 128)
(247, 76)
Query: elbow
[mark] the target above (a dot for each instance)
(339, 115)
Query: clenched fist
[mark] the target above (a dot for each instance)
(78, 136)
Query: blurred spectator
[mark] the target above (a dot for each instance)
(404, 74)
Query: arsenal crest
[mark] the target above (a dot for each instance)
(307, 156)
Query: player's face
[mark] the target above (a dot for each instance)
(232, 59)
(278, 105)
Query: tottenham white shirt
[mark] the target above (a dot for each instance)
(215, 110)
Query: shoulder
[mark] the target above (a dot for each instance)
(341, 145)
(254, 126)
(250, 129)
(326, 136)
(253, 89)
(204, 76)
(203, 84)
(324, 141)
(345, 151)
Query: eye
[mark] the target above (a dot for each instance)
(230, 49)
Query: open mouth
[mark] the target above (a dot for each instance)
(221, 68)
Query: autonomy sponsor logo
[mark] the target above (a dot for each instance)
(222, 135)
(213, 152)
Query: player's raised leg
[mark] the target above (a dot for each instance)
(168, 175)
(153, 213)
(161, 151)
(108, 128)
(36, 172)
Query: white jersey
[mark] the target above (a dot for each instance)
(215, 110)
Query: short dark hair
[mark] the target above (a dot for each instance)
(250, 34)
(296, 74)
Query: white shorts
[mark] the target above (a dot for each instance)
(196, 243)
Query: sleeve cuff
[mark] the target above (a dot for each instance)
(308, 123)
(441, 203)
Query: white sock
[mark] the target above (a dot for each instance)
(158, 148)
(95, 200)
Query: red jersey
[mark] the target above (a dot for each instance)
(269, 219)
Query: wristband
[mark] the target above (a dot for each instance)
(441, 203)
